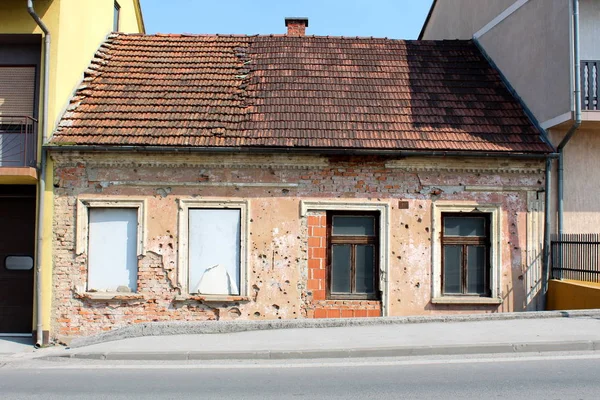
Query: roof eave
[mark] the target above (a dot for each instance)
(300, 150)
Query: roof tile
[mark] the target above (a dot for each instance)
(303, 92)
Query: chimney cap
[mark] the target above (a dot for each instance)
(303, 20)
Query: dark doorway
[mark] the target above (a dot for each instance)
(17, 246)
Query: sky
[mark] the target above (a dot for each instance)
(397, 19)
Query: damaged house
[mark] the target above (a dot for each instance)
(289, 176)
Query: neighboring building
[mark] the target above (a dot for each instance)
(289, 176)
(531, 42)
(76, 28)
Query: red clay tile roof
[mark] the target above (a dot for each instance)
(301, 92)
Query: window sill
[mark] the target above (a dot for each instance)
(466, 300)
(104, 296)
(210, 297)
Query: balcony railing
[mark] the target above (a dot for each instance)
(18, 141)
(589, 85)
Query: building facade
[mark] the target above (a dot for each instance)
(75, 29)
(292, 176)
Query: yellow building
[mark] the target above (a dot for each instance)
(35, 88)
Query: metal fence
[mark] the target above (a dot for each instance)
(576, 256)
(18, 141)
(589, 84)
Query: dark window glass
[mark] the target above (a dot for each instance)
(452, 269)
(353, 226)
(364, 268)
(476, 267)
(457, 226)
(340, 271)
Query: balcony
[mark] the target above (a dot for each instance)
(589, 85)
(18, 141)
(18, 150)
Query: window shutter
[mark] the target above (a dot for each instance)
(17, 90)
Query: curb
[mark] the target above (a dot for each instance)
(402, 351)
(214, 327)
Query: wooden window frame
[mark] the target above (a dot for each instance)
(353, 241)
(466, 241)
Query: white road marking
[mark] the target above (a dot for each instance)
(266, 364)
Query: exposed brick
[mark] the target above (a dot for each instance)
(314, 220)
(374, 313)
(318, 294)
(333, 313)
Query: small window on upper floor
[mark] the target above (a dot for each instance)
(116, 17)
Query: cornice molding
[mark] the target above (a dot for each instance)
(178, 161)
(486, 165)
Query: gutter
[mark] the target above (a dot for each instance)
(293, 150)
(42, 181)
(577, 122)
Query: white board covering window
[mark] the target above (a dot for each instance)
(214, 251)
(112, 249)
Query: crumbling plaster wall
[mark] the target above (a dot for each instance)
(278, 272)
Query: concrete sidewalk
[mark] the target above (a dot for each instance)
(374, 340)
(11, 345)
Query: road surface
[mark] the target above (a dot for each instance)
(524, 377)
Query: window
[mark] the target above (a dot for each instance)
(465, 254)
(214, 251)
(352, 255)
(111, 232)
(116, 17)
(112, 245)
(212, 247)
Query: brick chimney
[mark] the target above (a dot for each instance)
(296, 26)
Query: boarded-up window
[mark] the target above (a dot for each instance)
(214, 251)
(112, 249)
(17, 90)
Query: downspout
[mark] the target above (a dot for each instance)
(577, 122)
(42, 181)
(547, 227)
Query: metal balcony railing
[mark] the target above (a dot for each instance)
(589, 85)
(18, 141)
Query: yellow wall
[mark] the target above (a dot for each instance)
(77, 29)
(572, 295)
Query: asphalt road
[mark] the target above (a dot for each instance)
(545, 377)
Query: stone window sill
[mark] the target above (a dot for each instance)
(104, 296)
(210, 298)
(465, 300)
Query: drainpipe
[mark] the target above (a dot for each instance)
(547, 226)
(42, 181)
(577, 122)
